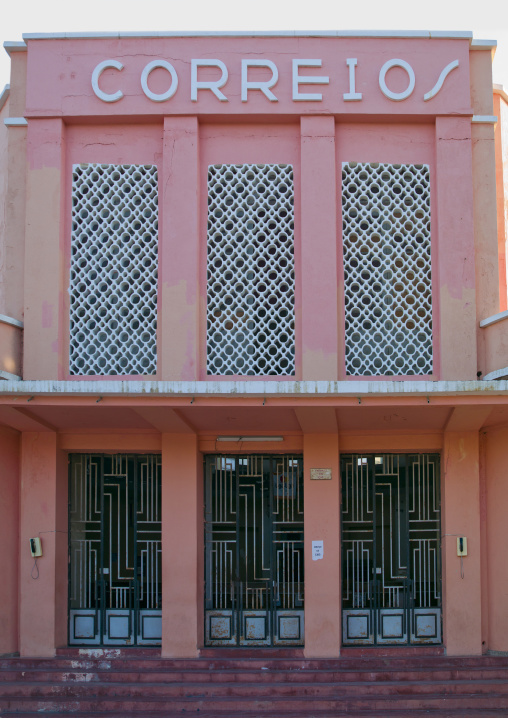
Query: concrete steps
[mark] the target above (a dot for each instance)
(120, 683)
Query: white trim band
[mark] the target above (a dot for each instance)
(15, 122)
(4, 319)
(494, 319)
(4, 95)
(498, 374)
(13, 46)
(7, 376)
(238, 389)
(484, 119)
(437, 34)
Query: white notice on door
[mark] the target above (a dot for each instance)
(317, 550)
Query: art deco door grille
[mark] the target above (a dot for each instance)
(115, 550)
(254, 583)
(391, 567)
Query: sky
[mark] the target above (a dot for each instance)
(486, 19)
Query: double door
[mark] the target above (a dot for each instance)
(254, 582)
(115, 549)
(391, 558)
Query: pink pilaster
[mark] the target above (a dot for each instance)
(322, 577)
(179, 261)
(319, 248)
(182, 541)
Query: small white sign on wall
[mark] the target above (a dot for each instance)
(317, 550)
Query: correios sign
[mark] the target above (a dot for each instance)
(301, 82)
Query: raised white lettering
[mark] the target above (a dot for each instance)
(212, 85)
(352, 95)
(396, 96)
(307, 80)
(174, 80)
(264, 85)
(106, 96)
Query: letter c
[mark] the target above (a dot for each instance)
(106, 96)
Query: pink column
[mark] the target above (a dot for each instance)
(43, 510)
(322, 577)
(44, 250)
(179, 261)
(461, 517)
(9, 539)
(182, 546)
(455, 275)
(497, 539)
(319, 249)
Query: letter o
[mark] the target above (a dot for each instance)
(396, 96)
(174, 80)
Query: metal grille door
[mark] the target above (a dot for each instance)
(254, 551)
(115, 550)
(391, 568)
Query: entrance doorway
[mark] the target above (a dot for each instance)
(115, 550)
(391, 557)
(254, 582)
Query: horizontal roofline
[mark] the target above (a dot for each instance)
(268, 389)
(429, 34)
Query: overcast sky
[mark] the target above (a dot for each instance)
(487, 19)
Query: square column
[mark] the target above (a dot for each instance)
(44, 251)
(179, 251)
(9, 539)
(182, 546)
(455, 274)
(43, 588)
(319, 249)
(461, 517)
(322, 577)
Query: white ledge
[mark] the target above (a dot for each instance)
(4, 95)
(481, 44)
(237, 389)
(4, 319)
(499, 90)
(484, 119)
(15, 122)
(494, 319)
(11, 47)
(498, 374)
(429, 34)
(7, 376)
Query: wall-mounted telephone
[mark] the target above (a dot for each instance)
(461, 546)
(35, 547)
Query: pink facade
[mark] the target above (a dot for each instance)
(298, 243)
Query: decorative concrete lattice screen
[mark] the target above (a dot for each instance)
(250, 317)
(387, 269)
(113, 285)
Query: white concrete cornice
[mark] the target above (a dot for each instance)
(16, 122)
(499, 90)
(494, 319)
(484, 119)
(429, 34)
(4, 319)
(232, 389)
(11, 47)
(481, 44)
(4, 95)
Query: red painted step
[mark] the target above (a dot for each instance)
(141, 684)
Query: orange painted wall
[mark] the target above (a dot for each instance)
(9, 539)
